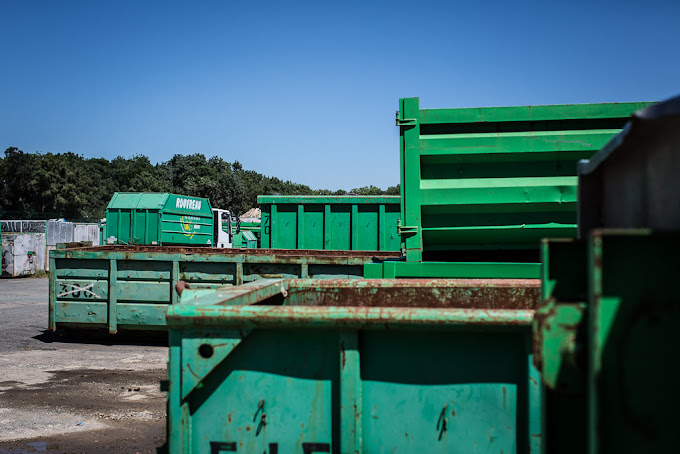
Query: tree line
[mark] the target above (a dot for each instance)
(68, 185)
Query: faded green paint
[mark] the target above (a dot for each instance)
(497, 177)
(359, 223)
(124, 287)
(277, 366)
(158, 219)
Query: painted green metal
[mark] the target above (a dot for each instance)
(248, 235)
(359, 223)
(130, 287)
(497, 178)
(245, 239)
(605, 336)
(158, 219)
(281, 366)
(452, 270)
(559, 344)
(102, 233)
(604, 342)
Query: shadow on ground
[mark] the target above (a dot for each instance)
(102, 337)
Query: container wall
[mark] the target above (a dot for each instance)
(498, 178)
(331, 223)
(606, 328)
(23, 254)
(186, 229)
(298, 378)
(121, 288)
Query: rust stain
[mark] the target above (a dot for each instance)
(434, 293)
(192, 371)
(505, 391)
(342, 352)
(130, 250)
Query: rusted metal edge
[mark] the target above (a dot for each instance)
(229, 255)
(236, 251)
(409, 283)
(240, 317)
(250, 293)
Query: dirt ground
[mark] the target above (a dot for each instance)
(74, 394)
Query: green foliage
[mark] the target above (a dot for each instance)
(47, 185)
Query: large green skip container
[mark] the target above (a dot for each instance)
(382, 366)
(149, 218)
(359, 223)
(130, 287)
(495, 179)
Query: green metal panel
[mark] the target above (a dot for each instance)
(159, 219)
(559, 349)
(632, 329)
(604, 340)
(130, 287)
(497, 178)
(292, 367)
(245, 239)
(452, 270)
(364, 223)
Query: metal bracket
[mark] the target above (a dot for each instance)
(406, 121)
(405, 228)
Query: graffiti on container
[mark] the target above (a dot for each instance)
(76, 291)
(218, 447)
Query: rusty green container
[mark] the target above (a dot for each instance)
(130, 287)
(148, 218)
(363, 366)
(357, 223)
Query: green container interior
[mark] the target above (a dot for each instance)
(354, 366)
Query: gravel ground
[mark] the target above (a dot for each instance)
(77, 394)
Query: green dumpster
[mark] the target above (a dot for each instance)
(310, 366)
(130, 287)
(359, 223)
(148, 218)
(486, 184)
(605, 333)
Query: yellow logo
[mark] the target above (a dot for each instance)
(186, 228)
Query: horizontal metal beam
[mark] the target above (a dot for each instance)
(344, 317)
(530, 113)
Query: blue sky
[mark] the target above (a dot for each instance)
(308, 91)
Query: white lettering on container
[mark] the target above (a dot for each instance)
(188, 204)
